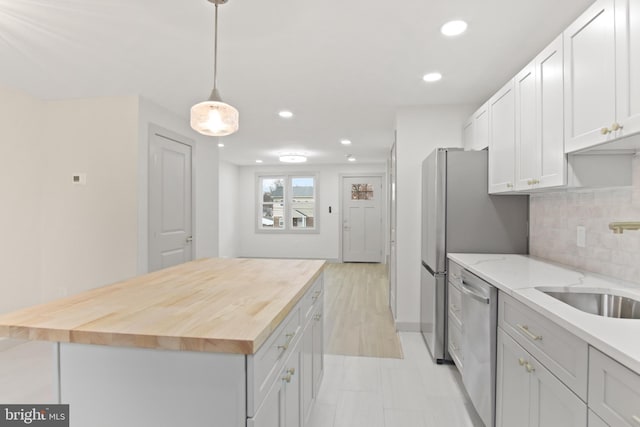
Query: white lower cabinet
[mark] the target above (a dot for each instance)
(285, 397)
(529, 395)
(614, 391)
(282, 407)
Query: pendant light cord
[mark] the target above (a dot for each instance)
(215, 50)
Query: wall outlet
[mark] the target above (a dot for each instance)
(581, 236)
(79, 178)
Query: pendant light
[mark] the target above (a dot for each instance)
(214, 117)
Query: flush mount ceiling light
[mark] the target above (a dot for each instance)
(214, 117)
(454, 28)
(220, 144)
(345, 142)
(432, 77)
(258, 161)
(351, 158)
(285, 114)
(293, 158)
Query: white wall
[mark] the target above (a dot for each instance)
(419, 131)
(20, 195)
(229, 200)
(88, 231)
(205, 187)
(322, 245)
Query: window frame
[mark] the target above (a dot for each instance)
(287, 203)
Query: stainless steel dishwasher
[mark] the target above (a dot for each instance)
(479, 313)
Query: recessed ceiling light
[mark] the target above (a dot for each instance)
(432, 77)
(454, 28)
(258, 161)
(220, 144)
(345, 141)
(285, 114)
(293, 158)
(351, 159)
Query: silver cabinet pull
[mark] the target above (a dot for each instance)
(287, 378)
(605, 131)
(525, 330)
(529, 367)
(616, 127)
(521, 361)
(189, 239)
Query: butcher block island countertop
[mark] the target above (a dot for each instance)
(209, 305)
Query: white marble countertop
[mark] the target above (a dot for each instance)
(520, 275)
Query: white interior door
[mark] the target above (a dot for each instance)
(362, 219)
(170, 202)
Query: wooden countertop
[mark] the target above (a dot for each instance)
(210, 305)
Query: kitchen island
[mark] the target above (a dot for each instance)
(213, 342)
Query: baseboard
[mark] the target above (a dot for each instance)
(408, 326)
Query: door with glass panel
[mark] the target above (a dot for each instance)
(362, 219)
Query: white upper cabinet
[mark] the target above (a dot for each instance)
(475, 131)
(628, 65)
(467, 134)
(602, 74)
(502, 134)
(539, 151)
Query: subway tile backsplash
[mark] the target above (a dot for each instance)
(555, 217)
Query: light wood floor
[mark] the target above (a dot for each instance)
(358, 321)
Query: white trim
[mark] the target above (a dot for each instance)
(407, 326)
(156, 130)
(383, 209)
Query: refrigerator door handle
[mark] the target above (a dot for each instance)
(481, 298)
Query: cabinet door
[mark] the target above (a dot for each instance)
(292, 388)
(512, 384)
(467, 134)
(318, 348)
(628, 65)
(527, 149)
(590, 77)
(552, 166)
(307, 369)
(270, 413)
(502, 134)
(552, 403)
(481, 128)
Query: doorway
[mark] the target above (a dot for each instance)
(170, 199)
(362, 200)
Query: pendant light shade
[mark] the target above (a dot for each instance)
(214, 117)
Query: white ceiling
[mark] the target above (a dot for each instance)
(343, 67)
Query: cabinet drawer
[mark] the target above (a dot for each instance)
(266, 363)
(455, 273)
(565, 355)
(614, 391)
(455, 343)
(311, 298)
(455, 305)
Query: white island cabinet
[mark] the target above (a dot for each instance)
(213, 342)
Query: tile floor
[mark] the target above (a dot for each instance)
(356, 391)
(409, 392)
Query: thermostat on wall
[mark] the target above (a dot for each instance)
(79, 178)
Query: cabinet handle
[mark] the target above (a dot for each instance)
(535, 181)
(509, 185)
(530, 182)
(526, 331)
(286, 344)
(283, 347)
(615, 127)
(291, 371)
(455, 308)
(605, 131)
(529, 368)
(636, 419)
(521, 361)
(317, 316)
(287, 378)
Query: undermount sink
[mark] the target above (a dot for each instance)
(601, 304)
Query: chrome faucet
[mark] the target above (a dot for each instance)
(619, 227)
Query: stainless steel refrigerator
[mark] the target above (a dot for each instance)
(458, 215)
